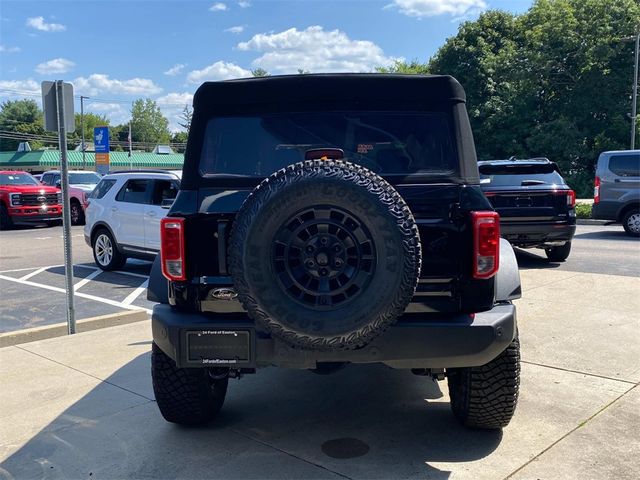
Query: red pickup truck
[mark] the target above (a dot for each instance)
(24, 199)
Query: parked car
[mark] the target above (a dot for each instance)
(38, 177)
(326, 220)
(536, 206)
(124, 213)
(616, 195)
(25, 200)
(81, 184)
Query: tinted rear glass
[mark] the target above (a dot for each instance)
(520, 175)
(17, 179)
(385, 142)
(625, 165)
(103, 187)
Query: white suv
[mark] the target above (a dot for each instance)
(124, 213)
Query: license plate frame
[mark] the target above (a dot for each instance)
(223, 347)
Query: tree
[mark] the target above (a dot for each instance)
(398, 66)
(186, 116)
(554, 81)
(259, 72)
(20, 116)
(91, 121)
(148, 124)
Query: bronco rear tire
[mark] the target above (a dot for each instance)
(188, 396)
(325, 255)
(486, 397)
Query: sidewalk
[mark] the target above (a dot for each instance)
(82, 406)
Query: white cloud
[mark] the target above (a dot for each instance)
(175, 70)
(172, 104)
(431, 8)
(57, 65)
(99, 83)
(218, 7)
(314, 50)
(116, 113)
(39, 24)
(6, 49)
(236, 29)
(19, 87)
(244, 4)
(218, 71)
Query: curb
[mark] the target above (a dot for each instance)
(591, 221)
(9, 339)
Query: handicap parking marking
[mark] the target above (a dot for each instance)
(136, 293)
(87, 279)
(77, 294)
(33, 274)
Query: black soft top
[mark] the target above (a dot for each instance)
(371, 89)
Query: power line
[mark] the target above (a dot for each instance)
(31, 93)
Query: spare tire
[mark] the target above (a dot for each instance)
(325, 255)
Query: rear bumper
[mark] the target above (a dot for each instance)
(445, 342)
(35, 213)
(532, 234)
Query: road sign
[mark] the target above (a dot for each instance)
(57, 100)
(50, 107)
(101, 143)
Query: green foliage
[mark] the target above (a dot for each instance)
(23, 116)
(583, 210)
(147, 123)
(185, 117)
(413, 67)
(554, 82)
(91, 121)
(259, 72)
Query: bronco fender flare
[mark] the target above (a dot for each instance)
(508, 278)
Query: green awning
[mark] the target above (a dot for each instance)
(50, 159)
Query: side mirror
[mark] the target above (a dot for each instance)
(58, 183)
(166, 203)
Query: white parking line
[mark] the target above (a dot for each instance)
(77, 294)
(33, 274)
(136, 293)
(86, 279)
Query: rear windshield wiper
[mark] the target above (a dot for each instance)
(525, 183)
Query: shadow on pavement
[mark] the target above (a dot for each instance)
(608, 235)
(529, 261)
(273, 425)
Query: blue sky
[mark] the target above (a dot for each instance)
(116, 51)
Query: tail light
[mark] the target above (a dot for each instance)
(172, 248)
(486, 244)
(596, 191)
(571, 199)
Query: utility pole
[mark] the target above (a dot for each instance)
(84, 147)
(634, 105)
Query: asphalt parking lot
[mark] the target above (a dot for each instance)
(32, 280)
(82, 406)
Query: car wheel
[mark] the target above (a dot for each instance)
(187, 396)
(5, 219)
(325, 255)
(77, 213)
(558, 254)
(631, 223)
(105, 251)
(486, 397)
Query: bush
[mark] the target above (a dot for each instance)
(583, 210)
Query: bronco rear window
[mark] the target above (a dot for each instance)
(388, 143)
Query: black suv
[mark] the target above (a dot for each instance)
(324, 220)
(536, 206)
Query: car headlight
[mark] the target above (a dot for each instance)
(16, 199)
(59, 195)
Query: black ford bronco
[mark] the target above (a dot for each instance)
(326, 220)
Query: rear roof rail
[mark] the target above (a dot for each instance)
(168, 172)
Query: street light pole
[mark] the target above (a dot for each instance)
(84, 163)
(634, 104)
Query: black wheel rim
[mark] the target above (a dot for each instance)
(323, 257)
